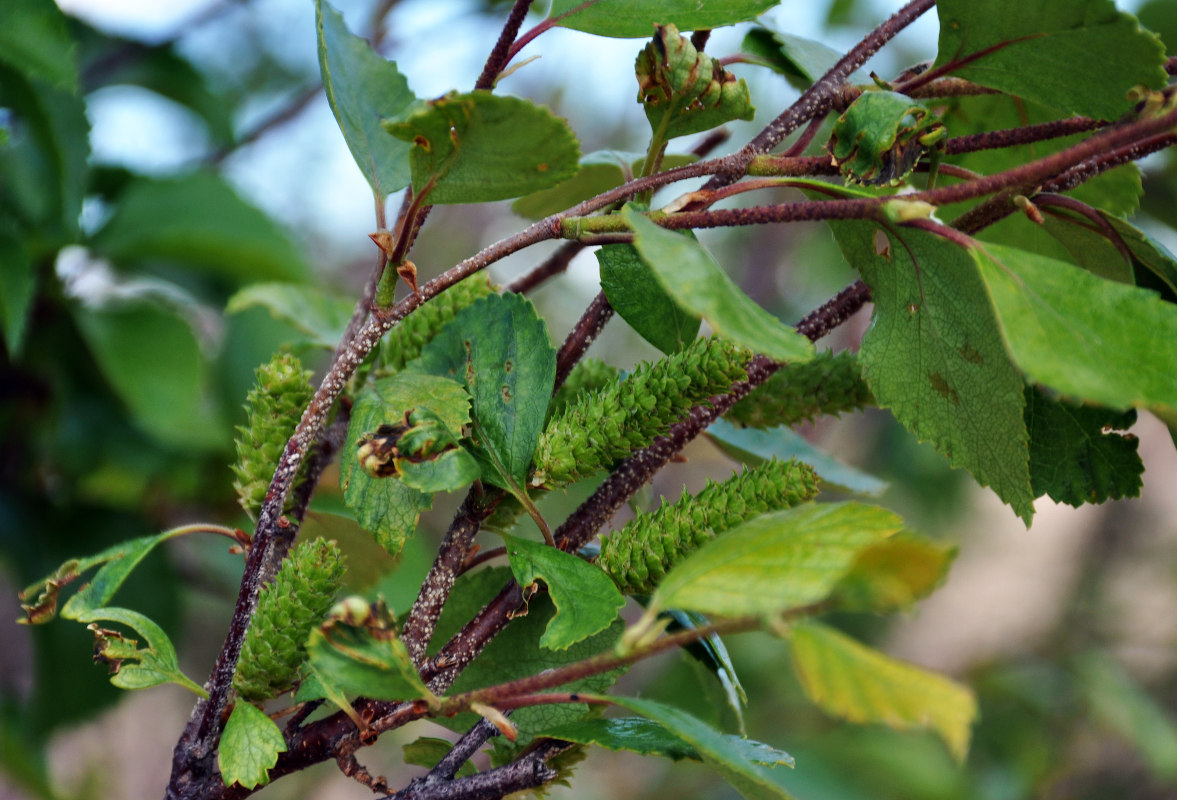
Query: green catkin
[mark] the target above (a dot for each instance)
(829, 384)
(601, 427)
(406, 341)
(273, 409)
(639, 555)
(288, 608)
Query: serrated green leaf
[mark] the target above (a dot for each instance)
(34, 40)
(934, 355)
(852, 681)
(1146, 251)
(364, 656)
(1086, 247)
(893, 574)
(153, 362)
(427, 751)
(630, 19)
(586, 600)
(1082, 336)
(118, 563)
(802, 61)
(198, 221)
(877, 140)
(639, 297)
(385, 506)
(479, 147)
(754, 446)
(323, 317)
(156, 663)
(696, 281)
(738, 760)
(249, 747)
(1076, 456)
(364, 90)
(599, 172)
(776, 562)
(634, 734)
(517, 653)
(1045, 41)
(499, 349)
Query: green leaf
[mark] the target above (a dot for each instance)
(18, 285)
(586, 600)
(499, 349)
(517, 653)
(249, 747)
(478, 147)
(934, 355)
(599, 172)
(862, 685)
(1076, 456)
(1120, 703)
(154, 364)
(712, 655)
(384, 506)
(638, 296)
(118, 563)
(754, 446)
(427, 751)
(357, 651)
(738, 760)
(1085, 247)
(776, 562)
(633, 19)
(156, 663)
(1082, 336)
(893, 574)
(881, 136)
(323, 317)
(198, 221)
(1146, 251)
(635, 734)
(45, 159)
(802, 61)
(685, 91)
(34, 40)
(1043, 43)
(364, 90)
(696, 281)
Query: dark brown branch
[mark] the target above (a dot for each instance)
(500, 55)
(435, 589)
(587, 328)
(527, 772)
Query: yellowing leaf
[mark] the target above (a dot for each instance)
(775, 562)
(857, 683)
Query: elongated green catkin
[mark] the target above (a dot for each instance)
(406, 341)
(829, 384)
(288, 607)
(640, 554)
(599, 428)
(273, 408)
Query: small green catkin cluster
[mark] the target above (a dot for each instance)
(639, 555)
(829, 384)
(598, 428)
(406, 341)
(273, 409)
(288, 608)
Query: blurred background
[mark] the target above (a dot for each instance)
(182, 151)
